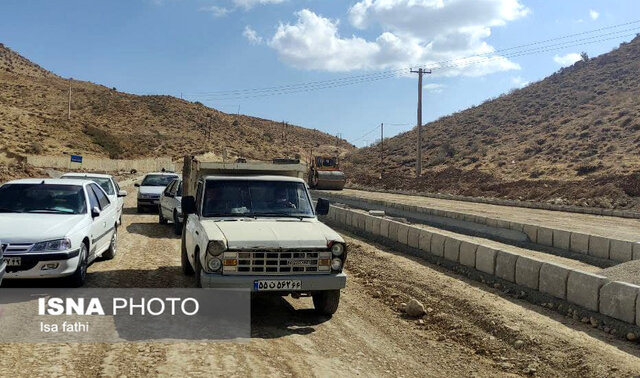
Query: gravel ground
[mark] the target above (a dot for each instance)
(627, 272)
(468, 329)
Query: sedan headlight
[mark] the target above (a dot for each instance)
(216, 247)
(52, 245)
(337, 249)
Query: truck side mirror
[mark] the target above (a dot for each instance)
(322, 207)
(188, 205)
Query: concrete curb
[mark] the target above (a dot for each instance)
(587, 244)
(592, 292)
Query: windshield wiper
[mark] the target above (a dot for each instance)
(4, 210)
(53, 211)
(282, 215)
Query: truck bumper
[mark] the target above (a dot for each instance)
(319, 282)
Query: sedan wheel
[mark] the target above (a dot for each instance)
(79, 277)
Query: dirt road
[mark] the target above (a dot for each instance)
(470, 330)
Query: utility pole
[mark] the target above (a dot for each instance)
(420, 72)
(69, 113)
(381, 150)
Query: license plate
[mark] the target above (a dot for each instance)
(13, 261)
(275, 285)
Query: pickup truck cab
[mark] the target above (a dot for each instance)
(261, 233)
(170, 208)
(151, 187)
(54, 228)
(108, 183)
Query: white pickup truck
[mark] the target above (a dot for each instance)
(253, 226)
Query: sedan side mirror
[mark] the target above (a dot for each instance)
(95, 212)
(322, 207)
(188, 205)
(137, 185)
(122, 193)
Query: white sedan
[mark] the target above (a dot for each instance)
(108, 183)
(170, 206)
(55, 228)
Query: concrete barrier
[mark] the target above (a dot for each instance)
(599, 246)
(583, 289)
(506, 266)
(468, 254)
(553, 280)
(437, 244)
(618, 300)
(621, 250)
(486, 259)
(528, 272)
(424, 241)
(413, 237)
(403, 234)
(98, 164)
(579, 243)
(452, 249)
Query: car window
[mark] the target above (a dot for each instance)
(179, 192)
(117, 185)
(169, 189)
(93, 200)
(102, 198)
(158, 180)
(42, 198)
(104, 182)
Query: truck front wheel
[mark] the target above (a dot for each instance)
(326, 302)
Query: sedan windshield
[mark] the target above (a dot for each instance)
(158, 180)
(104, 182)
(42, 198)
(228, 198)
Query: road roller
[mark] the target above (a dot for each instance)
(325, 173)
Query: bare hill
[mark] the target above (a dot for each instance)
(105, 122)
(573, 137)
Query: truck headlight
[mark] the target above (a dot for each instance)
(52, 245)
(336, 264)
(214, 264)
(216, 247)
(337, 249)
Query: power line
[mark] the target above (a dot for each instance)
(381, 76)
(354, 79)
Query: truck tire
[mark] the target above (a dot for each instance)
(197, 269)
(79, 277)
(161, 218)
(326, 302)
(110, 253)
(187, 269)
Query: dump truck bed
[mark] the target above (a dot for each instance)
(194, 169)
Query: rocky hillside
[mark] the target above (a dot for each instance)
(109, 123)
(572, 137)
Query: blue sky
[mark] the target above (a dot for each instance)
(198, 47)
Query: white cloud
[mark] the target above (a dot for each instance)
(567, 60)
(215, 10)
(414, 32)
(251, 35)
(593, 14)
(434, 87)
(248, 4)
(519, 82)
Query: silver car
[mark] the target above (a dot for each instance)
(170, 205)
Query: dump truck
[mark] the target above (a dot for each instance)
(252, 225)
(325, 174)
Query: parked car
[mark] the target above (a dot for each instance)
(3, 264)
(170, 205)
(55, 228)
(108, 184)
(151, 187)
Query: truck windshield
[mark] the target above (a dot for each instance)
(158, 180)
(229, 198)
(42, 198)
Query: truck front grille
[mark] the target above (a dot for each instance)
(278, 262)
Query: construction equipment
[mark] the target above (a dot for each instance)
(325, 173)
